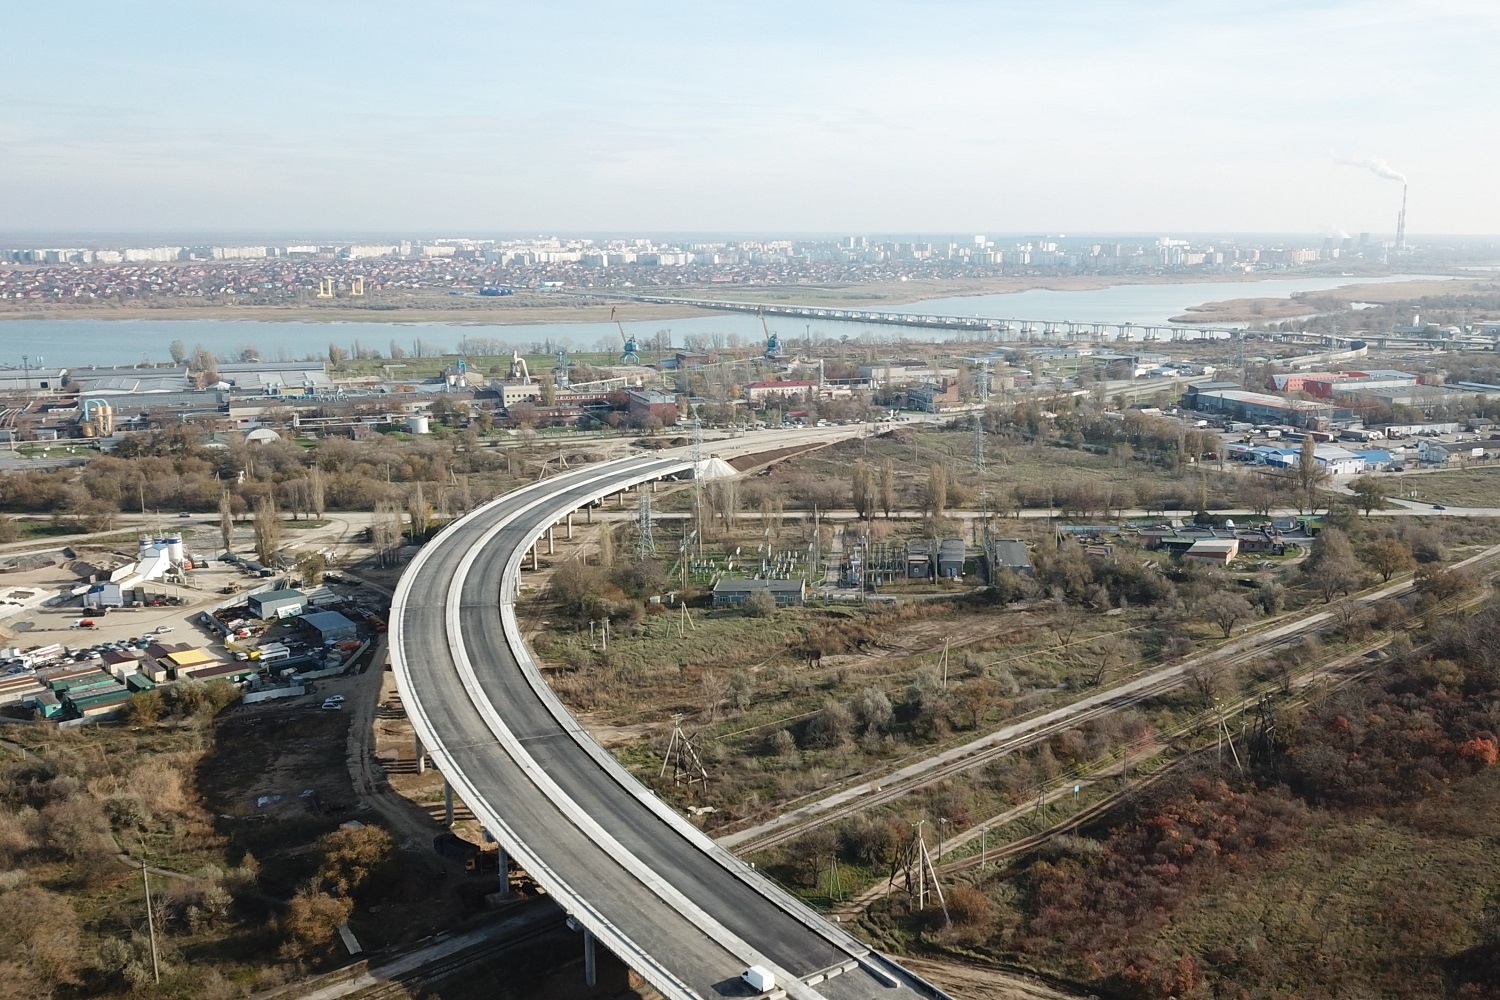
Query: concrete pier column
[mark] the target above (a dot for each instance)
(550, 542)
(590, 972)
(536, 558)
(421, 755)
(447, 803)
(504, 872)
(588, 514)
(570, 525)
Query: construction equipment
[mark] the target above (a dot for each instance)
(630, 355)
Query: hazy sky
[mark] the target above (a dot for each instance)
(931, 116)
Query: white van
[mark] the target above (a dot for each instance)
(759, 978)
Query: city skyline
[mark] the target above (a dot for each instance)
(877, 118)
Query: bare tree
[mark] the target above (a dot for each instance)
(937, 490)
(419, 513)
(267, 530)
(315, 492)
(1227, 611)
(226, 519)
(715, 690)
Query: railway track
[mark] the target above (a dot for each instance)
(879, 792)
(1338, 671)
(414, 982)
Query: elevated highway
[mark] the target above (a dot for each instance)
(684, 913)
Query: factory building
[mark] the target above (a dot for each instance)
(1256, 407)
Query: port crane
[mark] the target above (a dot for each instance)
(773, 342)
(630, 355)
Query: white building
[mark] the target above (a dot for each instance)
(1339, 461)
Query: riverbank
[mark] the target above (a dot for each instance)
(572, 307)
(1264, 310)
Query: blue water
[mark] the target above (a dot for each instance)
(75, 342)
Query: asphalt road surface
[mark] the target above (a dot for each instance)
(699, 915)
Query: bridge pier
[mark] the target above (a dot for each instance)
(550, 548)
(421, 755)
(447, 803)
(570, 525)
(504, 859)
(536, 558)
(590, 970)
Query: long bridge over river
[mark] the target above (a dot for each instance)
(1006, 329)
(1074, 330)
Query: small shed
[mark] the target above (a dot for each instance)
(276, 604)
(919, 560)
(950, 560)
(1007, 553)
(330, 626)
(1215, 551)
(736, 593)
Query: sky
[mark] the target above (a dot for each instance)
(878, 116)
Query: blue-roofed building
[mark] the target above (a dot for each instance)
(1376, 458)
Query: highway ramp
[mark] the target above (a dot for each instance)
(687, 915)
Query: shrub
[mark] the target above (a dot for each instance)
(760, 605)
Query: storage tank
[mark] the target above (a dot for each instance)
(175, 550)
(419, 423)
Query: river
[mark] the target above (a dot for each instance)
(74, 342)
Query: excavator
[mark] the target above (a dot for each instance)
(629, 357)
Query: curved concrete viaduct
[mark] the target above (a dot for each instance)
(680, 910)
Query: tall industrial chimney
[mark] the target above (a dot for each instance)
(1401, 222)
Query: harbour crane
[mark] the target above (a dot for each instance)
(629, 357)
(773, 342)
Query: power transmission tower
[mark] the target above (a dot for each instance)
(978, 445)
(645, 544)
(682, 757)
(918, 870)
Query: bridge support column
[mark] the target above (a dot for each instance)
(447, 803)
(590, 972)
(421, 755)
(536, 558)
(550, 543)
(570, 525)
(504, 860)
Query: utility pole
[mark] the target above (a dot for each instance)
(151, 923)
